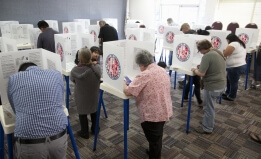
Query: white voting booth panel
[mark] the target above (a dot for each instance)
(183, 51)
(95, 30)
(11, 61)
(119, 61)
(129, 21)
(197, 55)
(6, 29)
(161, 30)
(131, 25)
(249, 36)
(72, 27)
(86, 40)
(66, 47)
(198, 26)
(21, 32)
(53, 24)
(85, 22)
(7, 44)
(133, 34)
(140, 34)
(169, 35)
(112, 22)
(34, 34)
(218, 39)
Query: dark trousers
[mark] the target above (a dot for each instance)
(196, 82)
(154, 132)
(84, 123)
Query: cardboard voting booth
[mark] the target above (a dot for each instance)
(249, 36)
(95, 30)
(132, 21)
(67, 46)
(85, 22)
(11, 61)
(34, 34)
(161, 30)
(119, 61)
(7, 44)
(6, 29)
(140, 34)
(21, 33)
(168, 37)
(72, 27)
(112, 22)
(185, 53)
(218, 39)
(53, 24)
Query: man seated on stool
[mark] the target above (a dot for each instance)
(36, 97)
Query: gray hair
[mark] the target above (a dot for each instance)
(144, 58)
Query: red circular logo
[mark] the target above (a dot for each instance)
(161, 29)
(183, 52)
(132, 37)
(113, 67)
(216, 42)
(94, 34)
(244, 37)
(170, 37)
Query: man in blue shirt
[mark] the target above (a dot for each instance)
(36, 97)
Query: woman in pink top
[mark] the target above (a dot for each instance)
(151, 89)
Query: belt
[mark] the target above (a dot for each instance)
(40, 140)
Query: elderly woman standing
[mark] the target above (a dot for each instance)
(86, 77)
(151, 89)
(213, 70)
(236, 65)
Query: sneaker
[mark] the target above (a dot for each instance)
(227, 98)
(200, 130)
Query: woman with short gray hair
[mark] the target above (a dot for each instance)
(151, 89)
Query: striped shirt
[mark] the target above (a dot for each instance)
(36, 97)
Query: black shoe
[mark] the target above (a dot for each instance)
(85, 136)
(147, 151)
(93, 131)
(224, 95)
(227, 98)
(181, 82)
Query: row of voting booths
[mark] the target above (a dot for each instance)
(25, 35)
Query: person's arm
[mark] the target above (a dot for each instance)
(125, 89)
(228, 51)
(39, 42)
(9, 94)
(196, 71)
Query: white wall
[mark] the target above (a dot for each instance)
(143, 10)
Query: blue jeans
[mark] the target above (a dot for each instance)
(210, 98)
(170, 57)
(233, 75)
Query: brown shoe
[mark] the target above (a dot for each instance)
(201, 104)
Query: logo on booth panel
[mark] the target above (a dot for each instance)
(132, 37)
(161, 29)
(216, 42)
(244, 37)
(170, 37)
(183, 52)
(113, 67)
(93, 32)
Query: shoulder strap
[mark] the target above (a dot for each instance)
(220, 53)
